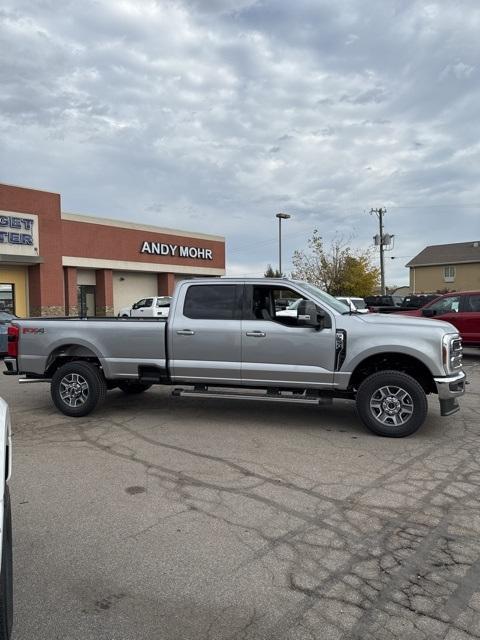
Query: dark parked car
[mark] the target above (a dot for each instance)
(394, 304)
(383, 304)
(418, 301)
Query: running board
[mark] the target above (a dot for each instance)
(266, 397)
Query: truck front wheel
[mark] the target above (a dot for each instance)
(392, 404)
(77, 388)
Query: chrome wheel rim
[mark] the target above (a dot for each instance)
(391, 405)
(74, 390)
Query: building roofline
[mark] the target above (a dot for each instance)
(123, 224)
(445, 263)
(21, 186)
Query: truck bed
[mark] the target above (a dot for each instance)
(141, 343)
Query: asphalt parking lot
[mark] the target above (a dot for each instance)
(173, 518)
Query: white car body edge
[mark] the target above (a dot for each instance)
(5, 525)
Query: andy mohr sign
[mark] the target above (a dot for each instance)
(175, 250)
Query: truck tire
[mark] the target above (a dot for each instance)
(6, 576)
(77, 388)
(392, 404)
(132, 387)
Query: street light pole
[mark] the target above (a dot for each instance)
(281, 216)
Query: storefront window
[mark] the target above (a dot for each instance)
(7, 297)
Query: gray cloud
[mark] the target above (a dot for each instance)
(214, 114)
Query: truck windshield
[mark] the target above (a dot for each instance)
(329, 300)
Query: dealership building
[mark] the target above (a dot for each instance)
(57, 263)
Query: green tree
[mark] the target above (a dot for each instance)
(338, 270)
(272, 273)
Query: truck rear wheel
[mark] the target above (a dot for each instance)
(392, 404)
(77, 388)
(132, 387)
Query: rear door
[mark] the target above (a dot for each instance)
(275, 350)
(204, 334)
(470, 319)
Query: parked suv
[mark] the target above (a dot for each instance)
(462, 309)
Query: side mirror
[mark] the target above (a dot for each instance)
(429, 313)
(308, 315)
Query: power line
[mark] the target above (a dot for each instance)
(434, 206)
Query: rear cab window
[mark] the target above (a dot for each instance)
(213, 302)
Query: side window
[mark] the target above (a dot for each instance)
(148, 302)
(139, 304)
(447, 305)
(211, 302)
(473, 303)
(274, 304)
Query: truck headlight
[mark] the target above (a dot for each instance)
(452, 352)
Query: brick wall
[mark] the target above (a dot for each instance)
(46, 285)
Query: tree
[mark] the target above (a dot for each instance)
(272, 273)
(338, 271)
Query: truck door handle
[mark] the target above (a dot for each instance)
(185, 332)
(256, 334)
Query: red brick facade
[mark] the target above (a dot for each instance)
(111, 243)
(52, 286)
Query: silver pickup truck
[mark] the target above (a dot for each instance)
(228, 338)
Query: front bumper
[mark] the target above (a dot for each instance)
(449, 389)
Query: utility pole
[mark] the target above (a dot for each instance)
(380, 213)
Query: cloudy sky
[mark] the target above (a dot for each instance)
(212, 115)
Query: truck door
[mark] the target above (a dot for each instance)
(204, 334)
(143, 309)
(135, 311)
(470, 319)
(275, 350)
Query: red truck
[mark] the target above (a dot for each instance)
(462, 309)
